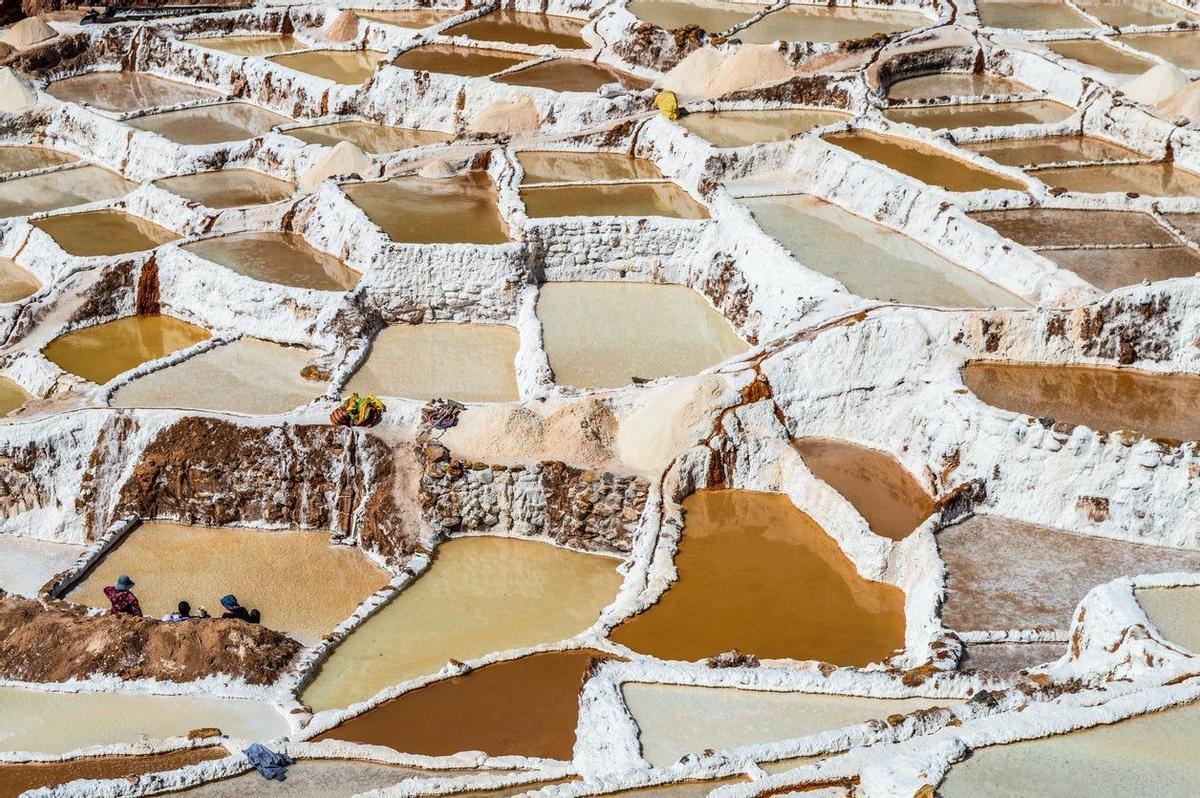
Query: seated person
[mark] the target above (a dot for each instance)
(234, 609)
(184, 613)
(122, 598)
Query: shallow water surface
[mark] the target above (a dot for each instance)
(571, 167)
(348, 67)
(103, 232)
(941, 117)
(126, 91)
(1175, 612)
(61, 189)
(418, 210)
(1052, 149)
(1179, 48)
(27, 563)
(628, 199)
(15, 282)
(310, 778)
(368, 136)
(282, 258)
(481, 594)
(228, 188)
(632, 330)
(954, 84)
(415, 18)
(19, 158)
(1122, 13)
(452, 59)
(787, 590)
(523, 27)
(1101, 56)
(1109, 269)
(1158, 179)
(871, 260)
(922, 162)
(271, 44)
(572, 74)
(1105, 399)
(272, 571)
(102, 351)
(711, 15)
(211, 124)
(813, 23)
(12, 396)
(17, 778)
(740, 128)
(1030, 15)
(1062, 227)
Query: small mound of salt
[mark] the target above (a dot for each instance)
(436, 169)
(15, 95)
(753, 65)
(344, 27)
(343, 159)
(507, 117)
(28, 32)
(1156, 84)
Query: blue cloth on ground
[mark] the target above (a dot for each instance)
(269, 764)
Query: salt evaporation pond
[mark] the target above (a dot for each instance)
(813, 23)
(481, 594)
(465, 362)
(711, 15)
(1174, 611)
(674, 720)
(741, 128)
(1123, 13)
(1110, 269)
(1104, 399)
(45, 722)
(568, 167)
(618, 199)
(572, 74)
(523, 27)
(26, 564)
(1178, 48)
(368, 136)
(922, 162)
(103, 232)
(452, 59)
(211, 124)
(282, 258)
(523, 707)
(348, 67)
(1159, 179)
(1101, 56)
(1145, 755)
(308, 778)
(245, 376)
(871, 260)
(786, 588)
(126, 91)
(415, 18)
(883, 491)
(1052, 149)
(634, 330)
(12, 396)
(62, 189)
(17, 158)
(273, 571)
(1030, 15)
(102, 351)
(942, 117)
(228, 188)
(15, 282)
(252, 45)
(954, 84)
(418, 210)
(16, 778)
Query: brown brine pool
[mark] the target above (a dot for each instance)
(569, 167)
(418, 210)
(1101, 56)
(16, 778)
(62, 189)
(786, 588)
(228, 188)
(127, 91)
(415, 18)
(368, 136)
(102, 351)
(1030, 14)
(941, 117)
(1052, 149)
(713, 16)
(572, 74)
(12, 396)
(348, 67)
(814, 23)
(523, 27)
(954, 84)
(741, 128)
(1178, 48)
(922, 162)
(283, 258)
(270, 44)
(18, 158)
(624, 199)
(452, 59)
(103, 232)
(1159, 179)
(211, 124)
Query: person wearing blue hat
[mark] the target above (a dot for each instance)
(121, 597)
(233, 609)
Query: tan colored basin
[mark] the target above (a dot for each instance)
(1158, 179)
(711, 15)
(15, 282)
(245, 376)
(302, 584)
(12, 396)
(415, 18)
(283, 258)
(26, 564)
(572, 74)
(632, 330)
(1122, 13)
(252, 45)
(1101, 56)
(954, 84)
(310, 778)
(348, 67)
(787, 590)
(1110, 269)
(367, 136)
(102, 351)
(61, 189)
(103, 232)
(922, 162)
(451, 59)
(15, 779)
(1030, 14)
(228, 188)
(1061, 227)
(628, 199)
(740, 128)
(16, 158)
(127, 91)
(812, 23)
(466, 362)
(522, 27)
(1178, 48)
(416, 210)
(481, 594)
(1175, 612)
(940, 117)
(1053, 149)
(211, 124)
(571, 167)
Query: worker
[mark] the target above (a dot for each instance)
(234, 609)
(122, 598)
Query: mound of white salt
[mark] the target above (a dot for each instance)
(690, 78)
(28, 32)
(753, 65)
(344, 27)
(1156, 84)
(343, 159)
(15, 94)
(437, 169)
(1183, 103)
(507, 117)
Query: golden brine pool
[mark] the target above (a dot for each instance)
(228, 188)
(418, 210)
(283, 258)
(211, 124)
(103, 232)
(102, 351)
(368, 136)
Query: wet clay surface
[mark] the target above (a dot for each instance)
(310, 778)
(954, 84)
(348, 67)
(1174, 611)
(1152, 179)
(417, 210)
(15, 282)
(103, 232)
(922, 163)
(467, 62)
(211, 124)
(522, 27)
(1058, 227)
(283, 258)
(829, 24)
(367, 136)
(1031, 112)
(1178, 48)
(228, 188)
(524, 707)
(711, 15)
(989, 588)
(740, 128)
(251, 45)
(569, 74)
(61, 189)
(1030, 15)
(1056, 149)
(1101, 56)
(1105, 399)
(21, 159)
(570, 167)
(786, 589)
(631, 199)
(1109, 269)
(889, 497)
(103, 351)
(12, 396)
(126, 91)
(17, 778)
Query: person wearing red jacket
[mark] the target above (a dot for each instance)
(122, 598)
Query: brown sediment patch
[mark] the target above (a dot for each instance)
(103, 351)
(414, 18)
(1030, 15)
(17, 158)
(1053, 149)
(15, 282)
(954, 84)
(61, 189)
(348, 67)
(1059, 227)
(922, 162)
(941, 117)
(523, 27)
(283, 258)
(572, 74)
(629, 199)
(524, 707)
(885, 494)
(368, 136)
(786, 589)
(1008, 657)
(812, 23)
(713, 16)
(989, 588)
(1105, 399)
(16, 778)
(1123, 13)
(251, 45)
(467, 62)
(211, 124)
(12, 396)
(228, 188)
(1101, 56)
(1109, 269)
(1159, 179)
(569, 167)
(126, 91)
(103, 232)
(1178, 48)
(741, 128)
(419, 210)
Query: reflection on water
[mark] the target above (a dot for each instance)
(103, 351)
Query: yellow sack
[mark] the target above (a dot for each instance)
(668, 104)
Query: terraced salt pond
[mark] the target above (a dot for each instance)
(327, 778)
(16, 778)
(523, 27)
(1052, 149)
(711, 15)
(228, 188)
(44, 722)
(571, 74)
(523, 707)
(623, 199)
(252, 45)
(272, 571)
(674, 720)
(62, 189)
(480, 595)
(282, 258)
(922, 162)
(211, 124)
(939, 117)
(871, 260)
(954, 84)
(1116, 268)
(465, 362)
(102, 351)
(27, 563)
(814, 23)
(570, 167)
(415, 18)
(417, 210)
(1102, 56)
(1104, 399)
(1178, 48)
(15, 158)
(807, 601)
(15, 282)
(1123, 13)
(103, 232)
(638, 330)
(368, 136)
(741, 128)
(348, 67)
(1030, 15)
(450, 59)
(1174, 611)
(126, 91)
(12, 396)
(245, 376)
(1159, 179)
